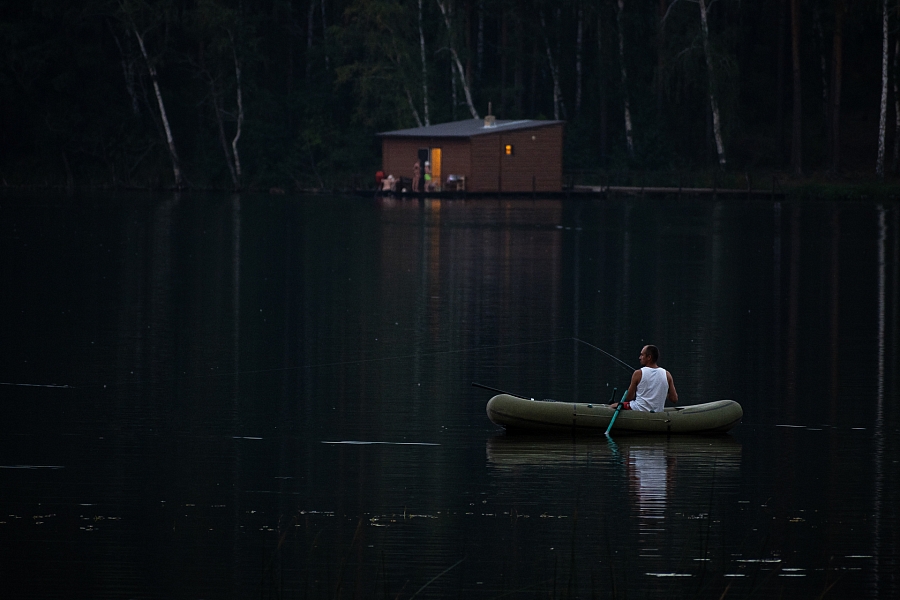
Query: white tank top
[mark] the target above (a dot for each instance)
(651, 390)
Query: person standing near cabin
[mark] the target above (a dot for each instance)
(429, 183)
(417, 177)
(651, 385)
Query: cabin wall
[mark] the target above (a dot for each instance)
(485, 164)
(398, 155)
(535, 165)
(536, 162)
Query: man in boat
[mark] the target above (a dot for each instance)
(651, 385)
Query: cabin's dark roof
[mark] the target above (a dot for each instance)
(467, 128)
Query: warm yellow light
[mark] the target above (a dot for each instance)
(509, 149)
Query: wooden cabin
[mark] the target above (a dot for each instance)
(480, 156)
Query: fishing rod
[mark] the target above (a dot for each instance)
(622, 363)
(484, 387)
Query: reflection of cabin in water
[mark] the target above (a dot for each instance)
(482, 156)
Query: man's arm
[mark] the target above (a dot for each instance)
(672, 395)
(632, 388)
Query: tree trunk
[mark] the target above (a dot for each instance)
(424, 71)
(604, 111)
(534, 76)
(823, 63)
(518, 74)
(217, 109)
(412, 106)
(796, 127)
(558, 54)
(713, 104)
(173, 154)
(480, 49)
(456, 61)
(309, 36)
(882, 118)
(779, 85)
(629, 137)
(660, 57)
(325, 33)
(128, 70)
(467, 27)
(504, 59)
(579, 39)
(837, 63)
(896, 160)
(554, 73)
(240, 119)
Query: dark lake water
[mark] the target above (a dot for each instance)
(270, 397)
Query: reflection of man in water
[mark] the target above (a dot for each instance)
(648, 470)
(651, 385)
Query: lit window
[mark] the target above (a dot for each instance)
(509, 150)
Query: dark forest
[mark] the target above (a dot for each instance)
(288, 94)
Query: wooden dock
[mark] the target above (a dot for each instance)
(585, 192)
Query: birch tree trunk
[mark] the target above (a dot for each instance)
(837, 62)
(217, 108)
(456, 61)
(629, 137)
(797, 125)
(240, 119)
(713, 104)
(412, 106)
(554, 72)
(173, 154)
(882, 118)
(424, 72)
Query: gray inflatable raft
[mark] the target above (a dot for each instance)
(521, 414)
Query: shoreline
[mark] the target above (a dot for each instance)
(589, 186)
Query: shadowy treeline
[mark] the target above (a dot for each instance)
(233, 94)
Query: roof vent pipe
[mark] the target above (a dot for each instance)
(489, 119)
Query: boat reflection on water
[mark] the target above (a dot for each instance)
(637, 452)
(661, 474)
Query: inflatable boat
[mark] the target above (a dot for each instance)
(523, 414)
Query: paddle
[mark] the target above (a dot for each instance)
(616, 414)
(484, 387)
